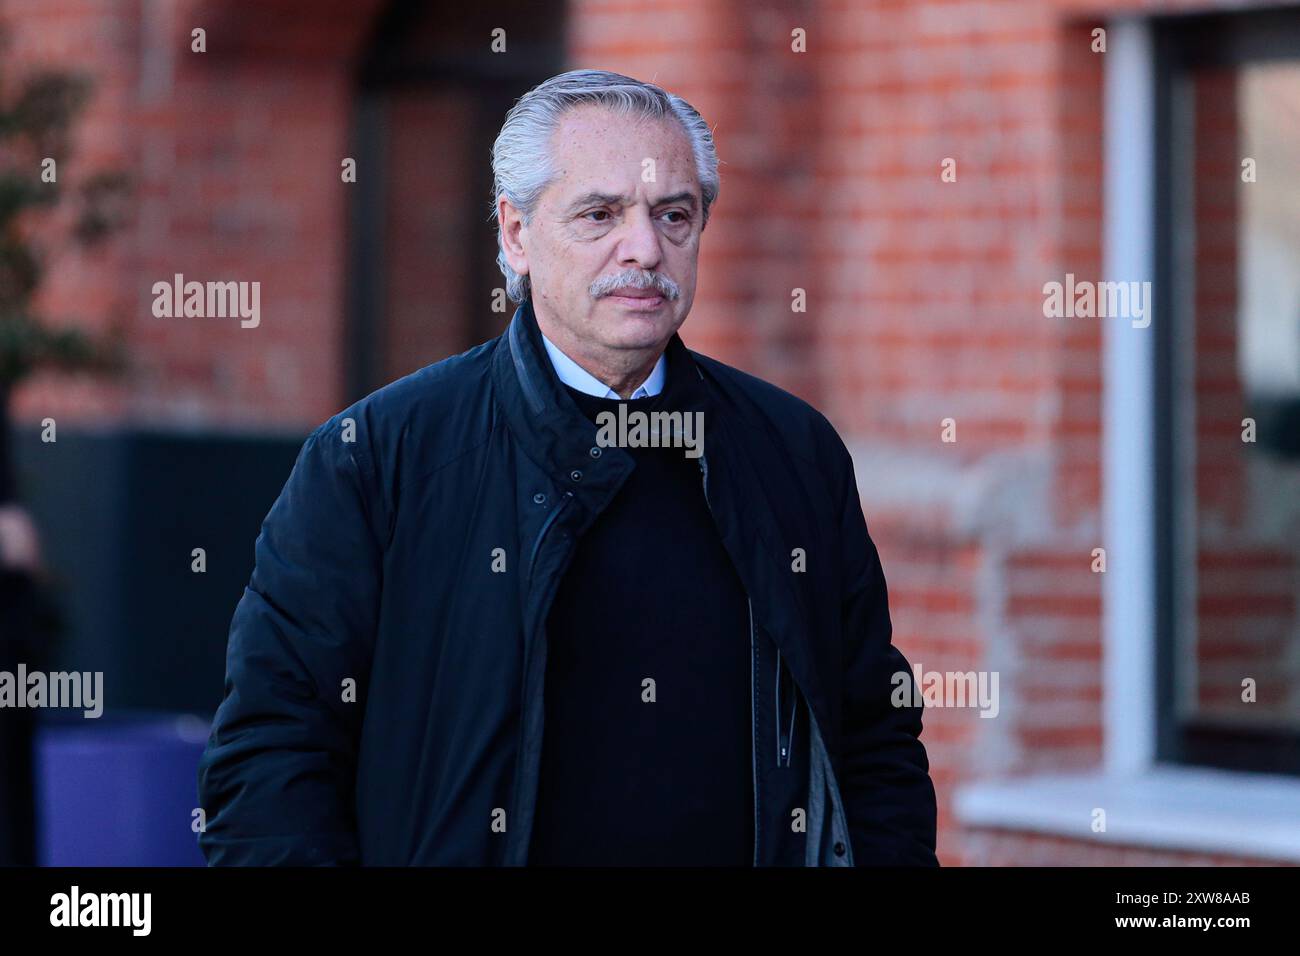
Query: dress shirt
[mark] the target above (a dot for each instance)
(575, 376)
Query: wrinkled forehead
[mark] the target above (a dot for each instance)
(596, 150)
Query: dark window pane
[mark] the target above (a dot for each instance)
(1239, 620)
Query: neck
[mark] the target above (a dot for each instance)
(623, 370)
(627, 384)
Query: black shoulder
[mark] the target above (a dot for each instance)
(438, 388)
(803, 430)
(429, 415)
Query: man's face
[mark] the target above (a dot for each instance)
(622, 215)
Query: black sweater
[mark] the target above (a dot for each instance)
(651, 594)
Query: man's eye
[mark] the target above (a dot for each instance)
(599, 212)
(677, 212)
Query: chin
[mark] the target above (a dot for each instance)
(642, 332)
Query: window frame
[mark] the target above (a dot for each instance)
(1180, 46)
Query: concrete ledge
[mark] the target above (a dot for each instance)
(1171, 807)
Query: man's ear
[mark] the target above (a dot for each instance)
(512, 224)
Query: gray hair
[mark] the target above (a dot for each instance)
(521, 161)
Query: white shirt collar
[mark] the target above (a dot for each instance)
(575, 376)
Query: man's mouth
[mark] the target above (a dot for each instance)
(638, 299)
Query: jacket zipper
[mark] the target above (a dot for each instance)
(523, 711)
(753, 651)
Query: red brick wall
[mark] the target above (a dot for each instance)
(924, 297)
(1009, 848)
(236, 155)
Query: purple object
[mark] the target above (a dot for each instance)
(119, 791)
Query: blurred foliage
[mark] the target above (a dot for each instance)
(36, 124)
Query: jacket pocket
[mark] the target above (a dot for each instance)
(788, 692)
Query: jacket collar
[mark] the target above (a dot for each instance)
(551, 427)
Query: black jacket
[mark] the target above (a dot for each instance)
(383, 695)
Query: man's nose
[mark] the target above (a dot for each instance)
(639, 244)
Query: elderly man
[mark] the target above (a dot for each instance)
(485, 628)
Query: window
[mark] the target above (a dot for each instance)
(1228, 377)
(1192, 767)
(431, 98)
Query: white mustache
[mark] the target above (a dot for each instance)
(661, 284)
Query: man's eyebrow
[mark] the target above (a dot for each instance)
(612, 199)
(685, 196)
(596, 199)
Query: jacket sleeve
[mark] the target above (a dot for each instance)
(277, 778)
(886, 787)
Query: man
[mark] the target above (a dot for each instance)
(492, 624)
